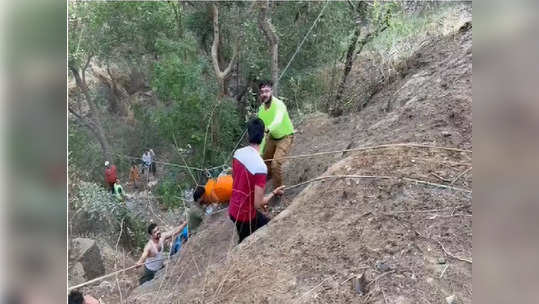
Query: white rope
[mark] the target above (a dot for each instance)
(304, 38)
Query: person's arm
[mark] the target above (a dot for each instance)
(174, 232)
(261, 201)
(144, 255)
(279, 115)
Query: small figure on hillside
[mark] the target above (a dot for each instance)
(110, 175)
(133, 174)
(249, 183)
(76, 297)
(148, 162)
(119, 191)
(152, 256)
(279, 131)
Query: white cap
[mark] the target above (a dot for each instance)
(106, 163)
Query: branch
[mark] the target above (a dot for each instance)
(76, 75)
(232, 61)
(84, 121)
(352, 7)
(83, 72)
(74, 113)
(215, 44)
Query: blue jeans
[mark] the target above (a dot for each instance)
(180, 239)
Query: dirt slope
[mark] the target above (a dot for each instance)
(413, 241)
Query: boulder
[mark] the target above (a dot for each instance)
(86, 252)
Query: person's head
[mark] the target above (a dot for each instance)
(75, 297)
(154, 232)
(107, 164)
(198, 194)
(117, 181)
(265, 89)
(255, 131)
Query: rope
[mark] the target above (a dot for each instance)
(371, 148)
(235, 147)
(304, 38)
(183, 159)
(411, 145)
(104, 276)
(164, 163)
(412, 180)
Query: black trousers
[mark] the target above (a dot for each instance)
(147, 276)
(247, 228)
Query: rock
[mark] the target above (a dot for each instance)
(441, 261)
(87, 253)
(446, 133)
(452, 299)
(105, 287)
(76, 274)
(359, 284)
(382, 266)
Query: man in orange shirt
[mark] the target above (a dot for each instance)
(215, 191)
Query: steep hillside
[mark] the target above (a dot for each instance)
(402, 217)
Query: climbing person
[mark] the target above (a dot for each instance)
(195, 212)
(133, 174)
(152, 255)
(76, 297)
(216, 190)
(279, 131)
(110, 175)
(249, 183)
(119, 191)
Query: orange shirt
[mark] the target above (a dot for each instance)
(218, 190)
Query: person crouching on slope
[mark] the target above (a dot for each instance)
(249, 183)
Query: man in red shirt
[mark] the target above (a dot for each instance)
(110, 175)
(249, 183)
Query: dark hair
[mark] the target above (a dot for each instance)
(264, 83)
(255, 131)
(151, 227)
(199, 192)
(75, 297)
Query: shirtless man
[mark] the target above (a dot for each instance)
(152, 257)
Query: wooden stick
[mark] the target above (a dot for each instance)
(460, 175)
(443, 248)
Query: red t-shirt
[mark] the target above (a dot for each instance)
(110, 174)
(248, 170)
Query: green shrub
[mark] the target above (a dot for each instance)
(104, 214)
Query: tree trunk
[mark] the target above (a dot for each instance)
(335, 109)
(176, 7)
(221, 75)
(271, 36)
(92, 122)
